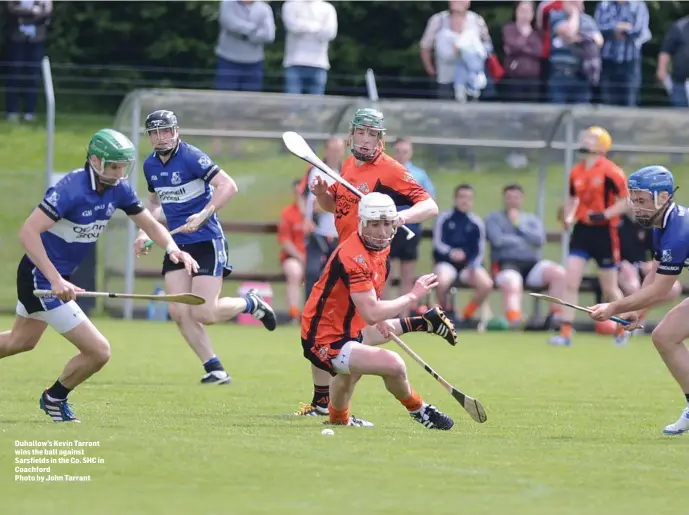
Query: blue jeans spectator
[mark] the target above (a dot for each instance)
(24, 75)
(619, 83)
(231, 76)
(568, 87)
(678, 97)
(305, 79)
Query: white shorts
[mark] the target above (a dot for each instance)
(532, 278)
(454, 272)
(62, 319)
(340, 363)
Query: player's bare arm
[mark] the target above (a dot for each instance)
(156, 209)
(291, 249)
(161, 237)
(569, 211)
(374, 311)
(30, 238)
(617, 209)
(325, 199)
(225, 189)
(419, 212)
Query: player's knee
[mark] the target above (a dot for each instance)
(557, 273)
(203, 315)
(178, 312)
(22, 343)
(661, 337)
(395, 366)
(99, 352)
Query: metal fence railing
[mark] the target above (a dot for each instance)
(248, 126)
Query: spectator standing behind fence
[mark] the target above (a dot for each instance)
(623, 24)
(543, 11)
(310, 26)
(403, 250)
(448, 26)
(523, 48)
(675, 49)
(292, 250)
(245, 27)
(29, 22)
(575, 44)
(516, 253)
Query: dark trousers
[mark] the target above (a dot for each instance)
(318, 250)
(619, 83)
(231, 76)
(24, 75)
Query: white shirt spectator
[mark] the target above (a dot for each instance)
(444, 69)
(325, 222)
(310, 26)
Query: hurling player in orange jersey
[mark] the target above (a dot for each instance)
(369, 169)
(344, 319)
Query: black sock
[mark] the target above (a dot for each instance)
(321, 396)
(687, 397)
(410, 324)
(213, 364)
(58, 391)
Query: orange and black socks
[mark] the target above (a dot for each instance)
(410, 324)
(321, 396)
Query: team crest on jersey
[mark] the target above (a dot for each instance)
(323, 353)
(205, 162)
(53, 198)
(666, 256)
(111, 209)
(361, 260)
(363, 188)
(176, 178)
(409, 177)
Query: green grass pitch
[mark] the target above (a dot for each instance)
(569, 431)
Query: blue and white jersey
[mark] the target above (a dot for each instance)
(81, 214)
(183, 187)
(671, 241)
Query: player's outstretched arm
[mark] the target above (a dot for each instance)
(161, 237)
(420, 212)
(654, 290)
(30, 238)
(374, 311)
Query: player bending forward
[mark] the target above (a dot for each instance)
(56, 237)
(651, 190)
(190, 188)
(345, 300)
(370, 169)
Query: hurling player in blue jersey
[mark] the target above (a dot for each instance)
(187, 186)
(56, 237)
(651, 192)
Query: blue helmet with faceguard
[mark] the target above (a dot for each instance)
(654, 180)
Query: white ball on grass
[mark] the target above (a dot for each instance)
(327, 432)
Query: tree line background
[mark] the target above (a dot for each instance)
(108, 48)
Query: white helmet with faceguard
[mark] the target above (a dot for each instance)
(377, 217)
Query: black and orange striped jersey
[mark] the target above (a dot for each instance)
(597, 189)
(329, 314)
(384, 175)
